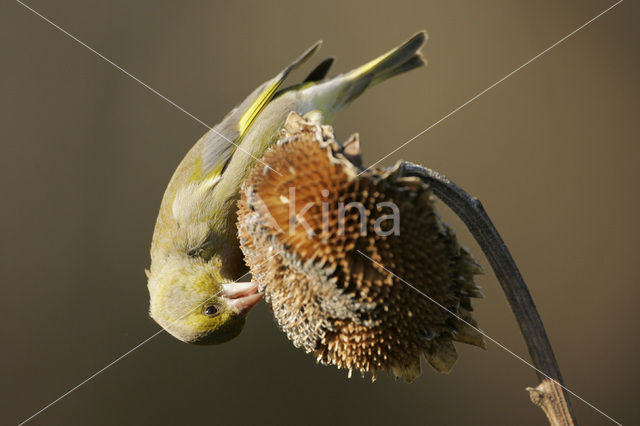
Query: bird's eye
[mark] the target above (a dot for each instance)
(211, 311)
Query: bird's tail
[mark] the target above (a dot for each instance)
(331, 96)
(401, 59)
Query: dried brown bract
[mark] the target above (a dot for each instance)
(344, 281)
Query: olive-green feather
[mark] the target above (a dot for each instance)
(223, 140)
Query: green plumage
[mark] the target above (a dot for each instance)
(194, 247)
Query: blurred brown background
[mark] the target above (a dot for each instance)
(87, 152)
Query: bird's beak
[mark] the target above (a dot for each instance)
(241, 297)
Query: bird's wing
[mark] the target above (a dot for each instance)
(320, 71)
(222, 141)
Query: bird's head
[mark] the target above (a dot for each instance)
(190, 301)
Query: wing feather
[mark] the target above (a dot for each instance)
(222, 140)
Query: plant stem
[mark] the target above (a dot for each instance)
(548, 395)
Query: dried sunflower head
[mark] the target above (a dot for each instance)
(358, 269)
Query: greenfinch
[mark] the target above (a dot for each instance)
(196, 261)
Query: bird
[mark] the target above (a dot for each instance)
(196, 264)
